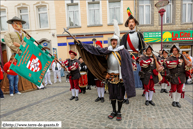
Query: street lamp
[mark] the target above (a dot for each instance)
(160, 5)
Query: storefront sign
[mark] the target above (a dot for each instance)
(169, 36)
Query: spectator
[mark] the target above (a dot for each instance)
(12, 76)
(56, 69)
(1, 78)
(160, 53)
(62, 69)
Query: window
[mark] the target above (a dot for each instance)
(73, 15)
(187, 11)
(114, 11)
(42, 17)
(145, 12)
(94, 14)
(23, 14)
(3, 20)
(167, 17)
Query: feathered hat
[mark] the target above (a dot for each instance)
(72, 52)
(130, 17)
(116, 33)
(99, 44)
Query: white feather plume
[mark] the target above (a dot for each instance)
(116, 28)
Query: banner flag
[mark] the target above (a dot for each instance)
(33, 63)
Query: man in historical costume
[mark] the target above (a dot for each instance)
(150, 77)
(72, 66)
(13, 40)
(133, 42)
(83, 69)
(178, 71)
(165, 72)
(99, 84)
(116, 68)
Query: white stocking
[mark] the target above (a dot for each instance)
(77, 91)
(174, 96)
(178, 95)
(98, 90)
(146, 95)
(73, 93)
(166, 85)
(150, 95)
(163, 84)
(102, 91)
(183, 88)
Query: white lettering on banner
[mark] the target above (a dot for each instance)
(31, 124)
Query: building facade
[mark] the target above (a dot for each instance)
(89, 21)
(177, 24)
(40, 22)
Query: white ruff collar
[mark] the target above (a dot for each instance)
(110, 48)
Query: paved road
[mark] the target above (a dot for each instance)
(53, 104)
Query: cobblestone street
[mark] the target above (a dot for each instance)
(53, 104)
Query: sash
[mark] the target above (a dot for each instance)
(117, 56)
(130, 44)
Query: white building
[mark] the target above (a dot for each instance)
(40, 22)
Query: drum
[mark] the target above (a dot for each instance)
(83, 81)
(99, 83)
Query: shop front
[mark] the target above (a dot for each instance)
(183, 38)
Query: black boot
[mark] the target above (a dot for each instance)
(178, 104)
(114, 113)
(72, 98)
(152, 103)
(162, 90)
(76, 98)
(174, 104)
(124, 101)
(147, 102)
(165, 91)
(83, 90)
(102, 99)
(127, 101)
(88, 87)
(98, 99)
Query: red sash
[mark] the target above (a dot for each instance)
(130, 44)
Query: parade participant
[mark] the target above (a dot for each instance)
(56, 69)
(72, 65)
(99, 84)
(116, 69)
(91, 81)
(179, 68)
(165, 72)
(12, 76)
(150, 77)
(133, 42)
(1, 78)
(47, 79)
(83, 70)
(62, 69)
